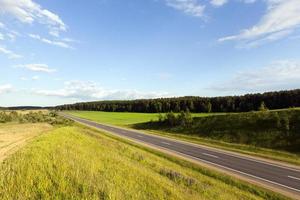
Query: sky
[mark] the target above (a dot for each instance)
(55, 52)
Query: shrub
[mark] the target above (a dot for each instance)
(262, 107)
(171, 119)
(34, 117)
(184, 119)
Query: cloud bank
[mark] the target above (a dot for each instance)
(81, 90)
(10, 54)
(283, 74)
(37, 68)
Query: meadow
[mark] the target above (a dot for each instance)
(125, 118)
(76, 162)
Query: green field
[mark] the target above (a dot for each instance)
(75, 162)
(220, 126)
(125, 118)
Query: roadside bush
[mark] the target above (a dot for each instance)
(171, 119)
(34, 117)
(184, 119)
(268, 129)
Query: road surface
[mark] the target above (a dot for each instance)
(281, 177)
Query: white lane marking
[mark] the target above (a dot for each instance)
(228, 168)
(229, 154)
(234, 170)
(201, 146)
(207, 154)
(294, 178)
(166, 143)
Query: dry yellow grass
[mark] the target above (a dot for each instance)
(23, 112)
(14, 136)
(76, 162)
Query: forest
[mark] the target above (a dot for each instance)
(244, 103)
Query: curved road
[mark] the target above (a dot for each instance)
(284, 178)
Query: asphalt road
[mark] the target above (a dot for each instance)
(281, 177)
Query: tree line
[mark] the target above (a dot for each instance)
(243, 103)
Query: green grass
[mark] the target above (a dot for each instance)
(81, 163)
(131, 119)
(124, 118)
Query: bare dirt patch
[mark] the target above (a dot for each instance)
(14, 136)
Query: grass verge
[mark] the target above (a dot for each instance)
(80, 163)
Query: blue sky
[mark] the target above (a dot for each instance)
(61, 51)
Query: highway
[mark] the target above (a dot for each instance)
(273, 175)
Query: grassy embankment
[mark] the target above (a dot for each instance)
(75, 162)
(254, 133)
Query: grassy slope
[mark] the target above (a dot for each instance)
(129, 119)
(123, 118)
(79, 163)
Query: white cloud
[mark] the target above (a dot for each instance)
(92, 91)
(27, 11)
(249, 1)
(284, 74)
(5, 88)
(189, 7)
(37, 68)
(10, 34)
(70, 40)
(23, 78)
(35, 78)
(51, 42)
(218, 2)
(265, 40)
(281, 19)
(9, 53)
